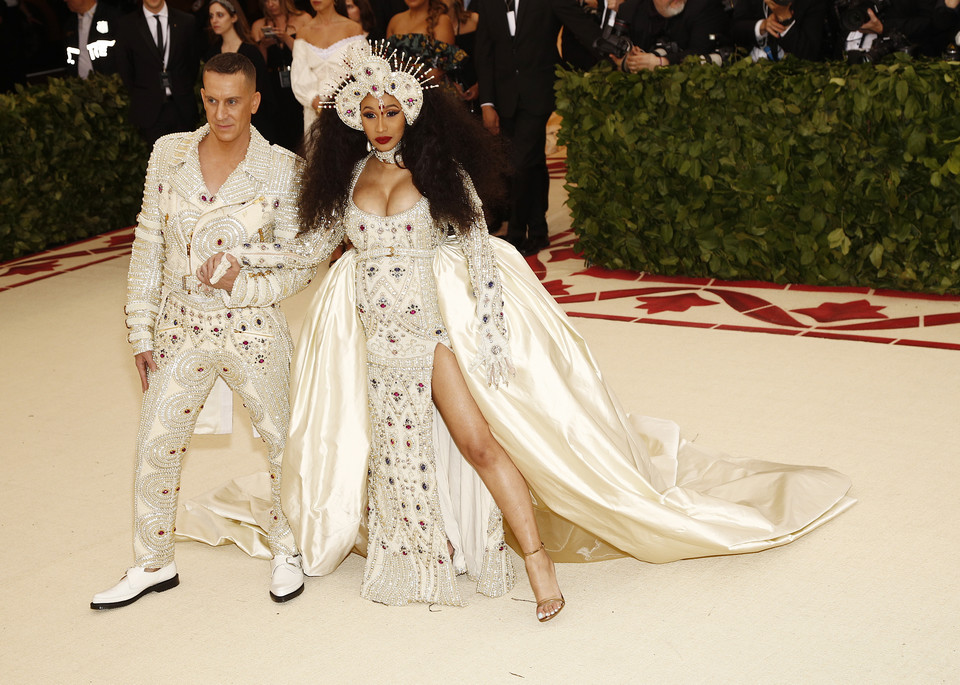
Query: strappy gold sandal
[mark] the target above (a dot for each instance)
(546, 617)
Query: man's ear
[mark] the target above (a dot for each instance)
(256, 103)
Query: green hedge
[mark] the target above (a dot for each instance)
(71, 165)
(787, 172)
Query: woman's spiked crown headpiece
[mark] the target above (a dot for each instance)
(380, 70)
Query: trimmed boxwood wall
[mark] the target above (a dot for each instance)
(778, 171)
(71, 165)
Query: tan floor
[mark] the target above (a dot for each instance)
(873, 597)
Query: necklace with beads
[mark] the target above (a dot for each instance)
(391, 156)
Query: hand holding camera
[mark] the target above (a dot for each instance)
(637, 60)
(779, 19)
(873, 24)
(613, 38)
(270, 34)
(861, 15)
(772, 26)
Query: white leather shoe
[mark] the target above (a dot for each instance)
(135, 584)
(286, 578)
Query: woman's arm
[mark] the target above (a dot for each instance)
(303, 82)
(494, 350)
(443, 31)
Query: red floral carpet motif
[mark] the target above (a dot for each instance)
(860, 314)
(65, 259)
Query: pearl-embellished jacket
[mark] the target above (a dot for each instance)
(181, 224)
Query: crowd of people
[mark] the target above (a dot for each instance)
(293, 44)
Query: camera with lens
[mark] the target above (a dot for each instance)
(613, 39)
(664, 47)
(884, 45)
(853, 14)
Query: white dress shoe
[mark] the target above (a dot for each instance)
(135, 584)
(286, 578)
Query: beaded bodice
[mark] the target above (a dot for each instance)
(396, 289)
(400, 248)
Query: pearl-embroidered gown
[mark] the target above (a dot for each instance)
(396, 293)
(367, 450)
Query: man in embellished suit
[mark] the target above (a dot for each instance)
(516, 57)
(206, 192)
(89, 38)
(158, 57)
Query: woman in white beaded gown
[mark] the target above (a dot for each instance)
(317, 66)
(436, 384)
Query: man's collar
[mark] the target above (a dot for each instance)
(149, 15)
(255, 167)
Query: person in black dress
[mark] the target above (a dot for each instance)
(231, 33)
(275, 33)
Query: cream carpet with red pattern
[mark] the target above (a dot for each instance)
(864, 381)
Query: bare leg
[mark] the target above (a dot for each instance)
(473, 438)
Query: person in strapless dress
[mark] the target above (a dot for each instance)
(317, 65)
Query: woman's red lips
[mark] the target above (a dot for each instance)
(383, 140)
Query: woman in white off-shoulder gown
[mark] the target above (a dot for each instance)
(431, 338)
(317, 68)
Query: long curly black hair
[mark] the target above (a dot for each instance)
(444, 141)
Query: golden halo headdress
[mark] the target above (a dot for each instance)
(379, 70)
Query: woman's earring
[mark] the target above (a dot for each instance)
(369, 147)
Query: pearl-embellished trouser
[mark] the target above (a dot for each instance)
(250, 349)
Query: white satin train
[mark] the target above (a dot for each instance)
(605, 483)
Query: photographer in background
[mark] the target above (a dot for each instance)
(772, 29)
(666, 31)
(901, 23)
(945, 24)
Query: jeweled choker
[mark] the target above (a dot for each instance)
(390, 156)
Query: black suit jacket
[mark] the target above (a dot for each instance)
(139, 63)
(944, 24)
(103, 27)
(518, 72)
(806, 39)
(690, 30)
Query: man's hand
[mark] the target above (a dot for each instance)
(144, 361)
(491, 120)
(874, 25)
(637, 59)
(952, 4)
(782, 12)
(772, 26)
(467, 94)
(227, 280)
